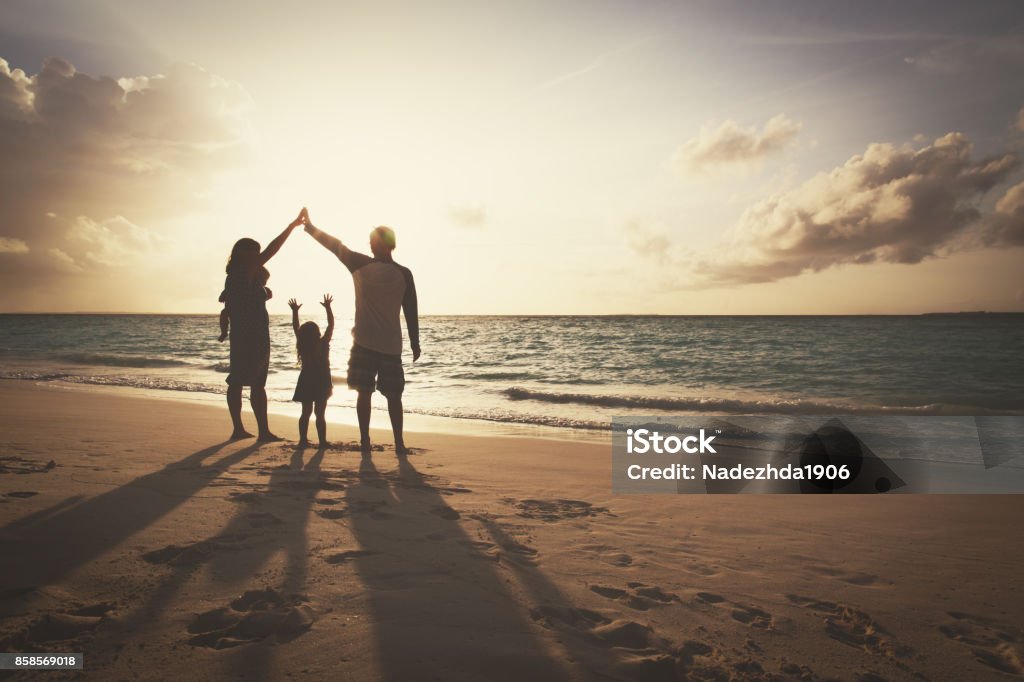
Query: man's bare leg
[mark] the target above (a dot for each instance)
(235, 409)
(397, 417)
(363, 413)
(258, 400)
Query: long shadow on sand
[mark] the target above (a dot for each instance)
(441, 606)
(43, 549)
(267, 607)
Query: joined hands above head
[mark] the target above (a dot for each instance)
(299, 219)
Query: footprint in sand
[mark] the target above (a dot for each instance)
(608, 592)
(710, 597)
(637, 650)
(638, 596)
(557, 510)
(625, 634)
(853, 627)
(255, 616)
(620, 559)
(753, 616)
(71, 625)
(502, 543)
(694, 660)
(608, 554)
(19, 465)
(992, 643)
(583, 620)
(22, 494)
(698, 568)
(851, 578)
(741, 613)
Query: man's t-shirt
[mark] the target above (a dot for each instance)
(382, 289)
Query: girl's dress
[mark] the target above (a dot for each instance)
(315, 381)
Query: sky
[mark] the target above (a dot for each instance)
(549, 157)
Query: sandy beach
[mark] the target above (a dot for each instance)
(133, 533)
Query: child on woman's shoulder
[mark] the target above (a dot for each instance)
(314, 386)
(225, 315)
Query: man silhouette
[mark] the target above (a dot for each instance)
(382, 287)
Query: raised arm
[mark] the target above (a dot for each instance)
(295, 305)
(275, 246)
(332, 244)
(352, 260)
(326, 303)
(410, 306)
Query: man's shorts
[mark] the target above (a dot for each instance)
(368, 368)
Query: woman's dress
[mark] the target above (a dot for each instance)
(246, 303)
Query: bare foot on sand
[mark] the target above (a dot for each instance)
(303, 444)
(239, 435)
(365, 447)
(401, 450)
(268, 437)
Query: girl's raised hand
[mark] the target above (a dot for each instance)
(328, 299)
(294, 305)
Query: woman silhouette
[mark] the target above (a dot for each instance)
(245, 300)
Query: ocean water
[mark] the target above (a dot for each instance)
(577, 372)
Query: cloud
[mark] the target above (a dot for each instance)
(648, 242)
(968, 54)
(730, 143)
(118, 154)
(468, 215)
(8, 245)
(1005, 226)
(890, 205)
(112, 241)
(63, 262)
